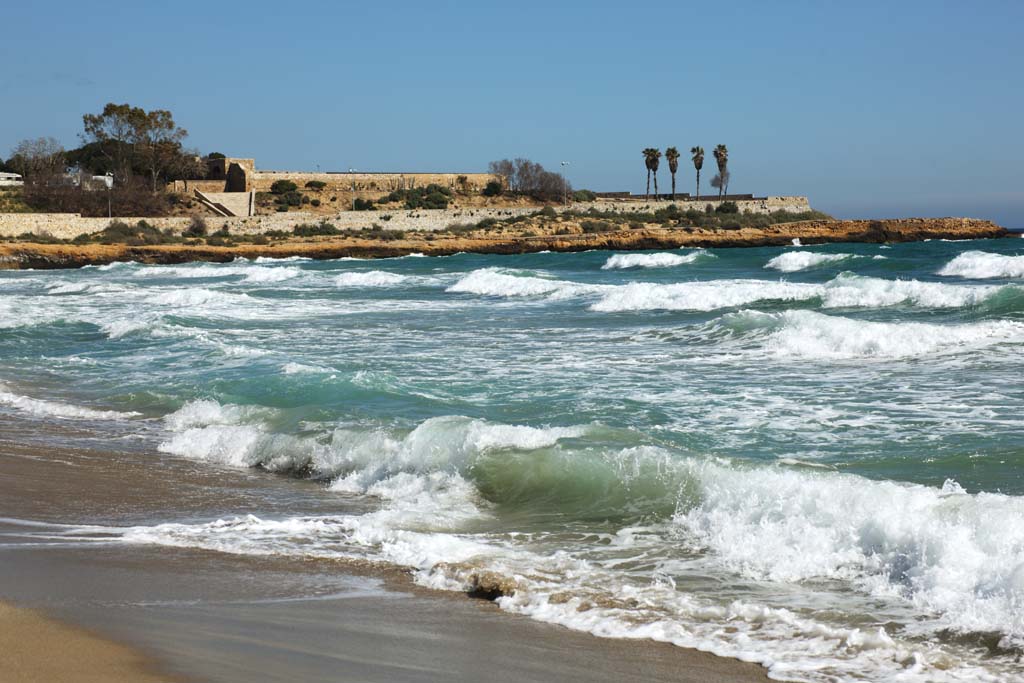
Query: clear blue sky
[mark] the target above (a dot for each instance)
(870, 108)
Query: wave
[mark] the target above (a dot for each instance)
(853, 291)
(982, 265)
(793, 261)
(953, 559)
(663, 260)
(250, 273)
(807, 334)
(701, 296)
(507, 283)
(42, 408)
(371, 278)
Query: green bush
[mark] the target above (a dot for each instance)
(215, 155)
(583, 196)
(547, 212)
(430, 197)
(727, 207)
(363, 204)
(305, 199)
(493, 189)
(196, 228)
(592, 226)
(316, 185)
(315, 202)
(487, 223)
(283, 187)
(311, 230)
(282, 207)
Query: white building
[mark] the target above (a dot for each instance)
(10, 180)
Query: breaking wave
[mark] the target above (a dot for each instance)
(793, 261)
(507, 283)
(701, 296)
(807, 334)
(954, 556)
(371, 278)
(981, 265)
(664, 260)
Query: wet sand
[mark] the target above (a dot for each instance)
(37, 649)
(208, 616)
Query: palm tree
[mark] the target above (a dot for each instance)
(672, 156)
(698, 163)
(651, 157)
(722, 158)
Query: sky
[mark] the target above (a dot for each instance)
(871, 109)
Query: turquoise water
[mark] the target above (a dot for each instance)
(808, 457)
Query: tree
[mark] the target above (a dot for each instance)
(131, 138)
(722, 159)
(652, 157)
(698, 163)
(38, 160)
(505, 169)
(672, 156)
(530, 178)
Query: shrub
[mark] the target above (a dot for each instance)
(305, 199)
(315, 202)
(283, 187)
(692, 215)
(487, 223)
(432, 196)
(259, 239)
(218, 240)
(282, 207)
(592, 226)
(316, 185)
(313, 230)
(215, 155)
(547, 212)
(709, 209)
(583, 196)
(196, 228)
(727, 207)
(363, 204)
(493, 189)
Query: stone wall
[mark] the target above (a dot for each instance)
(69, 226)
(375, 184)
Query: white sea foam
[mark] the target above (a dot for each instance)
(43, 408)
(793, 261)
(250, 273)
(848, 290)
(982, 265)
(502, 282)
(806, 334)
(701, 296)
(370, 278)
(662, 260)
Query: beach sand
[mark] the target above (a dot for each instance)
(207, 616)
(37, 649)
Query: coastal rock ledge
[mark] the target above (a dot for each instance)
(20, 255)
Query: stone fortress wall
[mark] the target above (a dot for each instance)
(69, 226)
(241, 175)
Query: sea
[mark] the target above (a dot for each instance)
(809, 457)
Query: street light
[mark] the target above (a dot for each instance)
(352, 170)
(565, 186)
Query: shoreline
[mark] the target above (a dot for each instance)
(26, 255)
(203, 615)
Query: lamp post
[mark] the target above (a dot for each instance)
(351, 171)
(565, 186)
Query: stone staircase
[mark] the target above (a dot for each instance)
(228, 203)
